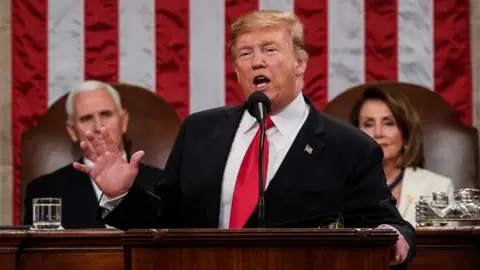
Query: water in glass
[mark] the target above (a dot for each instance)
(47, 213)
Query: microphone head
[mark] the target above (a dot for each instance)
(254, 100)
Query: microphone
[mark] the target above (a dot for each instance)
(258, 106)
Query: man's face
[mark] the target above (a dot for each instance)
(266, 61)
(93, 110)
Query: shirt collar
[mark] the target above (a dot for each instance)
(285, 121)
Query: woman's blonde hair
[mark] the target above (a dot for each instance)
(270, 18)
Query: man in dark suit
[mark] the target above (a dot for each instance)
(315, 165)
(92, 105)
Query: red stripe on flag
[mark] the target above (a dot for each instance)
(314, 15)
(101, 40)
(29, 78)
(381, 40)
(172, 53)
(233, 10)
(453, 72)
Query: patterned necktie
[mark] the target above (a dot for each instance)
(245, 195)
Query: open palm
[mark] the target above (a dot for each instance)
(112, 174)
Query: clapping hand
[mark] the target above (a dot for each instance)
(113, 175)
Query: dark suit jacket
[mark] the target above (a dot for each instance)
(79, 201)
(343, 173)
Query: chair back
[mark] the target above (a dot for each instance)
(153, 126)
(450, 146)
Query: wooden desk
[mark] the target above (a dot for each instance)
(69, 250)
(103, 249)
(447, 249)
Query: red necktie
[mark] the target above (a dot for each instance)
(245, 195)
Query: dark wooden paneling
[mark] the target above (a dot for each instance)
(259, 249)
(65, 249)
(224, 249)
(447, 249)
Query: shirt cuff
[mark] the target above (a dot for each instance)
(110, 204)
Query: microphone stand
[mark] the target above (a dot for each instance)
(261, 188)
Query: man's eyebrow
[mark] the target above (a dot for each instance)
(262, 44)
(85, 116)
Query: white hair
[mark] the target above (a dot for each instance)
(88, 86)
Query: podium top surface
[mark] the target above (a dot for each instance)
(261, 237)
(198, 237)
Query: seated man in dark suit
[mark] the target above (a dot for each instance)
(314, 164)
(92, 105)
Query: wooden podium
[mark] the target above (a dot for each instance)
(102, 249)
(258, 249)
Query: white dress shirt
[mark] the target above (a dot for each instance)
(280, 138)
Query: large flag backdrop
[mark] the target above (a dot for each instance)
(179, 49)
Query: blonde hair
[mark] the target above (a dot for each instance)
(269, 18)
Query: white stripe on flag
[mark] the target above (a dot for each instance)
(284, 5)
(415, 42)
(346, 45)
(65, 47)
(207, 50)
(137, 43)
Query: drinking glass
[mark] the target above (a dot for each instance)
(47, 213)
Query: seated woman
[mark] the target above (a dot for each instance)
(390, 119)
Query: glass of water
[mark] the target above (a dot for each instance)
(47, 213)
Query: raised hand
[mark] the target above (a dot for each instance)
(112, 174)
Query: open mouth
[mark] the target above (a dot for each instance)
(261, 82)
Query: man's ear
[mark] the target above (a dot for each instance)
(301, 64)
(125, 118)
(71, 131)
(236, 72)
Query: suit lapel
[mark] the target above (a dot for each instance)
(305, 151)
(306, 148)
(219, 146)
